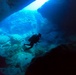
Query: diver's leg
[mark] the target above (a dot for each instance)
(29, 47)
(27, 44)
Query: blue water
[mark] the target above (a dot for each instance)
(16, 29)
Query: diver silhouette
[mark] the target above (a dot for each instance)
(33, 40)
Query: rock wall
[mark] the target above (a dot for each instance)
(59, 61)
(8, 7)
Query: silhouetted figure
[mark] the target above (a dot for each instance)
(34, 39)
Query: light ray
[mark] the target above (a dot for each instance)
(35, 5)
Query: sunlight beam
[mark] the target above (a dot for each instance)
(35, 5)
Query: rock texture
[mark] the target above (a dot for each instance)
(59, 61)
(62, 13)
(8, 7)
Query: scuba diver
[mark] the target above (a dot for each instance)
(33, 40)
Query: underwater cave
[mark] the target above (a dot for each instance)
(37, 37)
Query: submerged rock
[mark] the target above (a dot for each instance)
(60, 60)
(4, 39)
(15, 39)
(8, 7)
(2, 62)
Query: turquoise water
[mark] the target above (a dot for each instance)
(15, 31)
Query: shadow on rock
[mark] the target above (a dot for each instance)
(59, 61)
(2, 62)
